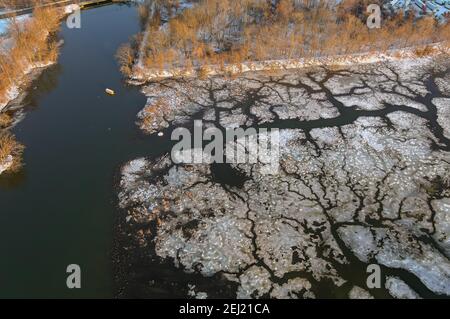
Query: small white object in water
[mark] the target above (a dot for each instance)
(160, 134)
(110, 92)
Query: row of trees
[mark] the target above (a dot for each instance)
(227, 32)
(33, 43)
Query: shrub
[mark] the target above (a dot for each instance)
(9, 146)
(5, 120)
(203, 72)
(33, 43)
(155, 111)
(424, 51)
(125, 57)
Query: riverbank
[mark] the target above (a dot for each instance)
(205, 38)
(31, 73)
(10, 153)
(32, 45)
(62, 202)
(141, 75)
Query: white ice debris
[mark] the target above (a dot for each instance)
(396, 251)
(196, 294)
(399, 289)
(359, 293)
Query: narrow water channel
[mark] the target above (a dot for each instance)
(60, 210)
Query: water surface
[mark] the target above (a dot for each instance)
(61, 209)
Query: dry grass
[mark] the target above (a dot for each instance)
(32, 45)
(5, 120)
(203, 73)
(425, 51)
(125, 58)
(154, 111)
(9, 146)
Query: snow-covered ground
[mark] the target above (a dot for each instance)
(3, 26)
(141, 75)
(13, 92)
(6, 164)
(4, 23)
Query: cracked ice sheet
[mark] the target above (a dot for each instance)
(376, 184)
(422, 259)
(399, 289)
(443, 107)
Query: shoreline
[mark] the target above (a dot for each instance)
(14, 93)
(20, 91)
(48, 54)
(140, 77)
(33, 59)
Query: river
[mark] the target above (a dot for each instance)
(61, 208)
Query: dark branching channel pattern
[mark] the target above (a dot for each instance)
(364, 179)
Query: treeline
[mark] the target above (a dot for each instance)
(225, 32)
(33, 44)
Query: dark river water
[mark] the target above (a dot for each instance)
(61, 209)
